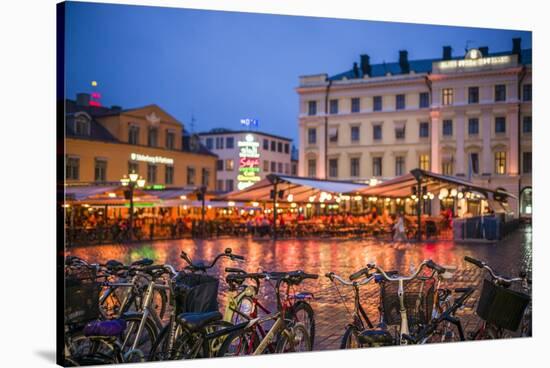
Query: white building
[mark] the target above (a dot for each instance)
(467, 116)
(245, 157)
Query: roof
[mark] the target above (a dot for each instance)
(223, 131)
(97, 131)
(419, 66)
(187, 146)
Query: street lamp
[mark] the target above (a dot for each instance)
(131, 181)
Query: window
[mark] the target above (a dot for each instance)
(377, 132)
(190, 175)
(424, 100)
(133, 167)
(424, 161)
(527, 92)
(219, 165)
(399, 165)
(294, 169)
(287, 148)
(447, 168)
(280, 167)
(527, 125)
(473, 95)
(219, 142)
(287, 168)
(266, 144)
(81, 126)
(333, 107)
(333, 135)
(400, 131)
(354, 167)
(473, 126)
(280, 147)
(377, 103)
(209, 143)
(333, 167)
(229, 165)
(312, 108)
(355, 104)
(151, 174)
(474, 163)
(448, 96)
(266, 165)
(229, 142)
(133, 134)
(312, 168)
(500, 125)
(169, 174)
(399, 102)
(273, 166)
(424, 129)
(273, 146)
(100, 170)
(500, 162)
(205, 177)
(170, 140)
(72, 168)
(500, 92)
(377, 166)
(312, 136)
(447, 128)
(527, 162)
(219, 185)
(229, 185)
(355, 133)
(152, 137)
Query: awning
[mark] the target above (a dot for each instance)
(300, 189)
(78, 193)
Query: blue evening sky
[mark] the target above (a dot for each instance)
(224, 66)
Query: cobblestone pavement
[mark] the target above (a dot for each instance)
(343, 257)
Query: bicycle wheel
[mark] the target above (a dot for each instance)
(350, 339)
(303, 313)
(445, 332)
(93, 351)
(238, 343)
(244, 308)
(294, 339)
(146, 339)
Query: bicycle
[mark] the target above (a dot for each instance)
(501, 309)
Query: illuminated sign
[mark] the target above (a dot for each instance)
(151, 159)
(474, 59)
(249, 122)
(249, 162)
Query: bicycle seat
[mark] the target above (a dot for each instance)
(113, 327)
(195, 321)
(378, 337)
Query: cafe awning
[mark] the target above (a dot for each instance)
(301, 189)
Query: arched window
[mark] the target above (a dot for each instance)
(526, 202)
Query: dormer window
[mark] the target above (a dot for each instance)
(82, 125)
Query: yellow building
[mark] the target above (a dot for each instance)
(103, 144)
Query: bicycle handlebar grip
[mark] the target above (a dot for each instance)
(236, 256)
(356, 275)
(474, 261)
(329, 275)
(233, 269)
(434, 266)
(311, 276)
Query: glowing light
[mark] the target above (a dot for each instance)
(460, 195)
(337, 199)
(290, 198)
(312, 198)
(454, 192)
(112, 195)
(94, 83)
(444, 192)
(308, 205)
(323, 205)
(373, 182)
(183, 197)
(231, 203)
(293, 205)
(255, 204)
(358, 198)
(209, 207)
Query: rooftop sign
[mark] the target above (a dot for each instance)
(473, 61)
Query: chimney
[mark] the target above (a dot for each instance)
(365, 64)
(447, 52)
(404, 61)
(355, 71)
(484, 51)
(516, 48)
(83, 99)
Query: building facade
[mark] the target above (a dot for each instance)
(104, 144)
(246, 157)
(467, 116)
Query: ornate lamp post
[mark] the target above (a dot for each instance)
(132, 181)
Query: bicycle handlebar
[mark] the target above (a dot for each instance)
(394, 277)
(202, 267)
(494, 276)
(332, 276)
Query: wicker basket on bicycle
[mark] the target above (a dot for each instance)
(500, 306)
(196, 293)
(418, 297)
(81, 295)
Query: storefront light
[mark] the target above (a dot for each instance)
(460, 195)
(454, 192)
(183, 197)
(312, 198)
(308, 205)
(231, 204)
(112, 195)
(133, 176)
(293, 205)
(290, 198)
(444, 192)
(323, 205)
(141, 182)
(255, 204)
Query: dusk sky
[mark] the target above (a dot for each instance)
(223, 66)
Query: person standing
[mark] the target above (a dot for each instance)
(399, 229)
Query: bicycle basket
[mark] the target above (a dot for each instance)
(418, 298)
(501, 306)
(81, 295)
(196, 293)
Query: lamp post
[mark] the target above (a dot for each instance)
(131, 181)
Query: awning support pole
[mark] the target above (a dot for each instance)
(419, 209)
(275, 210)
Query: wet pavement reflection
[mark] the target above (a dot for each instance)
(320, 256)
